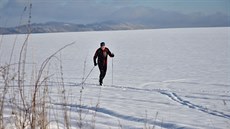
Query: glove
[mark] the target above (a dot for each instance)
(95, 64)
(112, 55)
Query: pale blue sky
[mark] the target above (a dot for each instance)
(90, 11)
(185, 6)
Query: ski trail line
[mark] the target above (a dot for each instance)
(176, 98)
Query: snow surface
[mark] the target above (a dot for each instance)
(166, 78)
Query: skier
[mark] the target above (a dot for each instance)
(102, 54)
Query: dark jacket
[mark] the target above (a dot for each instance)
(102, 56)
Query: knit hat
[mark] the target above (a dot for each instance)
(102, 44)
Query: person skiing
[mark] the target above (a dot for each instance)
(102, 54)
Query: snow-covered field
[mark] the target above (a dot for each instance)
(163, 78)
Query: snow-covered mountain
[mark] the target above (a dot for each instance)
(70, 27)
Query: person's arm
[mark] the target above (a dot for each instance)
(110, 54)
(95, 58)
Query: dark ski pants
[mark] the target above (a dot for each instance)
(103, 69)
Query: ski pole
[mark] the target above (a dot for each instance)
(88, 75)
(112, 71)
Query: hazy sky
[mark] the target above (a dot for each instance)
(90, 11)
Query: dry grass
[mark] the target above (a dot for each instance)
(29, 109)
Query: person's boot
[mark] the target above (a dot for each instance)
(100, 82)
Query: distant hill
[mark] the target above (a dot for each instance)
(130, 18)
(51, 27)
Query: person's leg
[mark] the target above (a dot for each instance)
(101, 74)
(103, 70)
